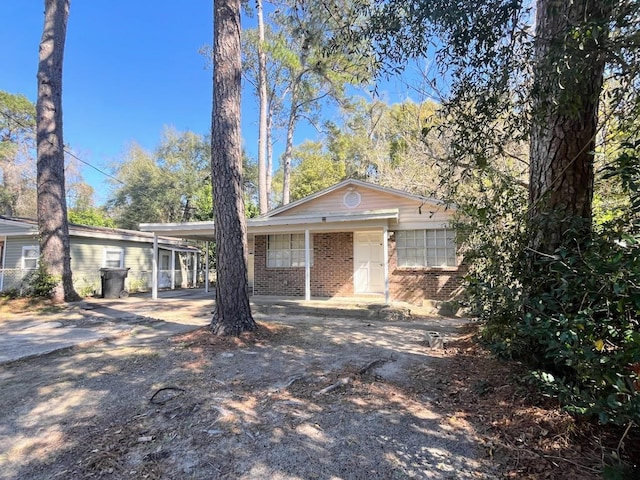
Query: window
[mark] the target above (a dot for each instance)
(426, 248)
(113, 258)
(284, 251)
(30, 257)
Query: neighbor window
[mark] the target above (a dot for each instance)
(426, 248)
(30, 257)
(113, 258)
(286, 250)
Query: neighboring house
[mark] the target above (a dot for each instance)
(93, 248)
(351, 239)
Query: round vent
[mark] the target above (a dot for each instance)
(351, 199)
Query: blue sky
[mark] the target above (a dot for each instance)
(130, 68)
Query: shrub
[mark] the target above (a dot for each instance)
(582, 329)
(39, 283)
(573, 317)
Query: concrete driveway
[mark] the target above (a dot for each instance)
(138, 319)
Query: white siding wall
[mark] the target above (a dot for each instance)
(432, 216)
(13, 256)
(13, 273)
(87, 256)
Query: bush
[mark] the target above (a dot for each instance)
(573, 317)
(39, 283)
(582, 329)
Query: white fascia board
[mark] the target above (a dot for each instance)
(194, 230)
(318, 218)
(21, 233)
(169, 227)
(124, 237)
(426, 225)
(18, 228)
(110, 236)
(318, 228)
(177, 249)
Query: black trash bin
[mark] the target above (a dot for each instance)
(113, 282)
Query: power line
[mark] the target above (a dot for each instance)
(65, 150)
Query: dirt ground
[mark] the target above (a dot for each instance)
(302, 398)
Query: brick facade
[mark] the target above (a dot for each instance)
(412, 285)
(332, 273)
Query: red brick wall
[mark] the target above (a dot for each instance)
(331, 273)
(412, 285)
(286, 282)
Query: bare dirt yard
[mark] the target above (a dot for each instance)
(302, 398)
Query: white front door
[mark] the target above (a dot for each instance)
(368, 255)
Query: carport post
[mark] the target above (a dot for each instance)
(194, 264)
(154, 268)
(206, 267)
(307, 266)
(173, 269)
(385, 254)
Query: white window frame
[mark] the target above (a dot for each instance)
(107, 251)
(286, 250)
(428, 248)
(25, 258)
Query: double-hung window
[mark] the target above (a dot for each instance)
(30, 256)
(426, 248)
(286, 250)
(113, 258)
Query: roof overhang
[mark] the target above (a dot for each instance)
(318, 222)
(189, 230)
(291, 223)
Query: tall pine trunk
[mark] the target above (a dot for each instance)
(568, 81)
(53, 225)
(288, 149)
(232, 314)
(263, 163)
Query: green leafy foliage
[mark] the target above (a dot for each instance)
(583, 329)
(492, 239)
(93, 216)
(17, 164)
(573, 316)
(39, 283)
(313, 170)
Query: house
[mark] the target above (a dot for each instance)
(352, 239)
(93, 248)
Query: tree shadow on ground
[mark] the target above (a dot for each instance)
(252, 407)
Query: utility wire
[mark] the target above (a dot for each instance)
(65, 150)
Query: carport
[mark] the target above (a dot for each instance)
(201, 231)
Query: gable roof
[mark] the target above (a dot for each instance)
(354, 183)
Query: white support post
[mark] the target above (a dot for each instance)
(385, 254)
(194, 265)
(154, 268)
(3, 263)
(206, 267)
(173, 269)
(307, 266)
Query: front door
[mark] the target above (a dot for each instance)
(368, 262)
